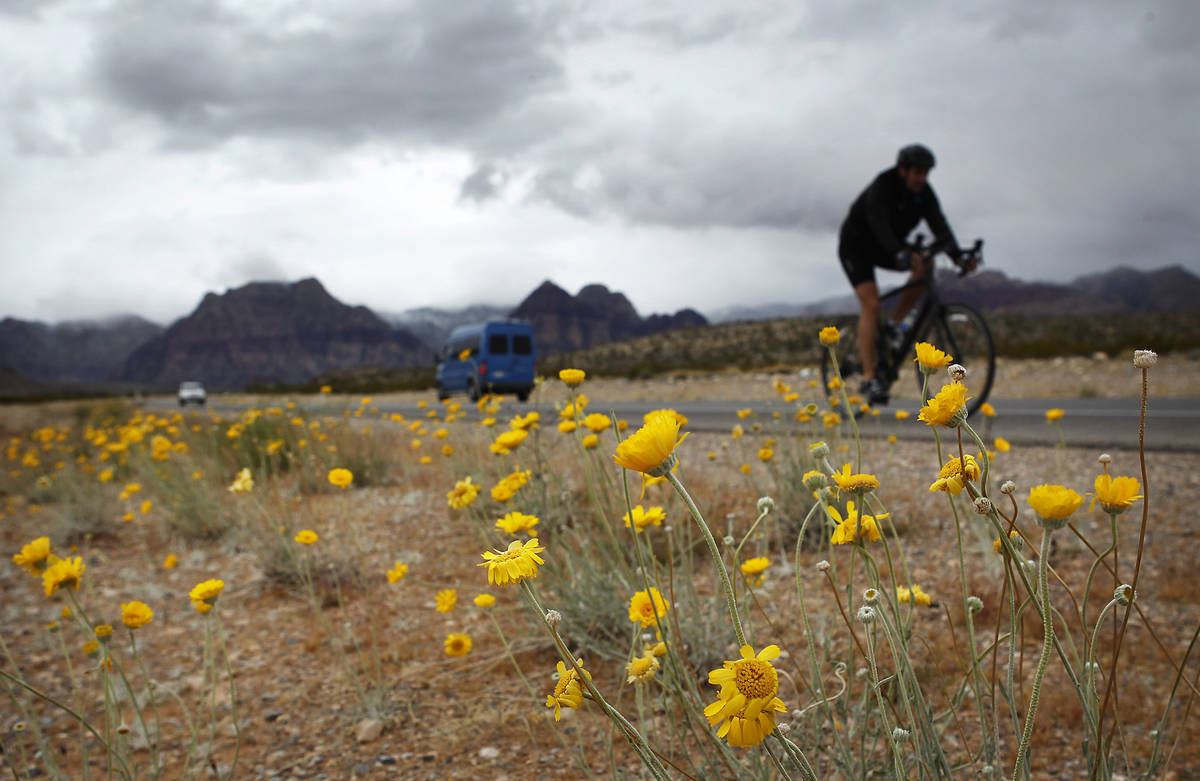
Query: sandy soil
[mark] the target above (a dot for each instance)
(472, 717)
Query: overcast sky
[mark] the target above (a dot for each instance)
(685, 152)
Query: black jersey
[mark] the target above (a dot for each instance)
(883, 215)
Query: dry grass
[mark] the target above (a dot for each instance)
(299, 715)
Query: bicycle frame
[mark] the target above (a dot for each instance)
(929, 307)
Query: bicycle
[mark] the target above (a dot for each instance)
(955, 328)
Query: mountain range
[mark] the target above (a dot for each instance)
(287, 333)
(270, 333)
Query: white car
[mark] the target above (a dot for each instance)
(192, 392)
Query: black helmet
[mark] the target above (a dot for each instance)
(915, 156)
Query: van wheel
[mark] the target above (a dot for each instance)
(473, 390)
(442, 394)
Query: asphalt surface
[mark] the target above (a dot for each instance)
(1172, 424)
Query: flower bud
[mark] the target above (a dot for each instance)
(1105, 459)
(553, 618)
(784, 728)
(900, 735)
(983, 505)
(958, 418)
(866, 614)
(1124, 594)
(974, 604)
(814, 480)
(819, 450)
(871, 597)
(766, 504)
(957, 372)
(1144, 359)
(822, 566)
(1007, 487)
(728, 539)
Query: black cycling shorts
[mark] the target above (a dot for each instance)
(860, 268)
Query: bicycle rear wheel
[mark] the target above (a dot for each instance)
(963, 333)
(849, 367)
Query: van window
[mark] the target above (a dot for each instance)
(470, 343)
(522, 344)
(498, 344)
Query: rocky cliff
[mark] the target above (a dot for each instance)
(274, 333)
(594, 316)
(89, 351)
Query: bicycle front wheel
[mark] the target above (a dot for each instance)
(963, 333)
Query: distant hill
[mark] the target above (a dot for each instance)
(291, 334)
(1122, 289)
(594, 316)
(84, 351)
(432, 325)
(269, 332)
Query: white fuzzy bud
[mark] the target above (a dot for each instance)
(553, 618)
(957, 372)
(728, 539)
(866, 614)
(974, 604)
(1124, 594)
(871, 597)
(983, 505)
(766, 504)
(1007, 487)
(823, 566)
(1144, 359)
(900, 735)
(784, 728)
(1105, 459)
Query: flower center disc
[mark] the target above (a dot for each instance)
(755, 678)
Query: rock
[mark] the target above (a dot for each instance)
(361, 769)
(368, 730)
(386, 759)
(489, 752)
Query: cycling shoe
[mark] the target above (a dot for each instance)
(874, 392)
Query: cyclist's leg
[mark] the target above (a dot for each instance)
(860, 270)
(868, 324)
(909, 298)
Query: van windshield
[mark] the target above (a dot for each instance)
(498, 344)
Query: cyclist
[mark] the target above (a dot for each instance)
(873, 234)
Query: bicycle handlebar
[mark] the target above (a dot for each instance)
(974, 254)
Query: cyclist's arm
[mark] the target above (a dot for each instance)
(937, 223)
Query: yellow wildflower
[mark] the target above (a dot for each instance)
(645, 606)
(397, 572)
(931, 358)
(568, 690)
(747, 703)
(511, 566)
(458, 644)
(942, 408)
(1115, 494)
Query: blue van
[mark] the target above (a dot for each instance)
(493, 357)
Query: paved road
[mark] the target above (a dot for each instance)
(1105, 424)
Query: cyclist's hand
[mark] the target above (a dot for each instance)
(967, 261)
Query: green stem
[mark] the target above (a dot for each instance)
(1047, 641)
(716, 554)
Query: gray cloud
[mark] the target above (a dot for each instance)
(484, 184)
(430, 73)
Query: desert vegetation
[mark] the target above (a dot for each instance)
(491, 590)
